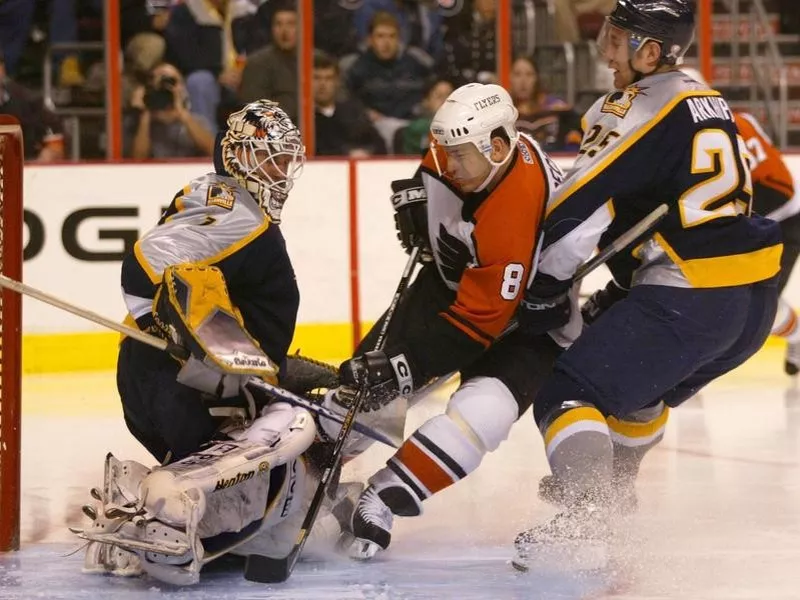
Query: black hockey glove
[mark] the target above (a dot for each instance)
(601, 300)
(410, 202)
(545, 305)
(378, 372)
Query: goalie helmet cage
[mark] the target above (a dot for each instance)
(11, 221)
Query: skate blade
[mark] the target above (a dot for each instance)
(166, 548)
(571, 556)
(363, 550)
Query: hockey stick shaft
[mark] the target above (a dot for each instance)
(182, 353)
(141, 336)
(274, 570)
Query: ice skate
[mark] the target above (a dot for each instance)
(372, 525)
(114, 505)
(622, 497)
(791, 364)
(576, 539)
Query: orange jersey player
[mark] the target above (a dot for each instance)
(774, 196)
(475, 205)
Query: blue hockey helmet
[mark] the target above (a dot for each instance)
(668, 22)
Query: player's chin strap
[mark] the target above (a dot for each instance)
(496, 166)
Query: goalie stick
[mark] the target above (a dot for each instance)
(275, 570)
(181, 352)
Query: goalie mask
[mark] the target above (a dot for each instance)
(263, 150)
(463, 129)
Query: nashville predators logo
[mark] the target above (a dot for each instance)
(220, 194)
(619, 103)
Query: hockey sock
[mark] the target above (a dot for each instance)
(448, 447)
(579, 450)
(634, 436)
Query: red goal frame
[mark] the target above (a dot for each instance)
(11, 224)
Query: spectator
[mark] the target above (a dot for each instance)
(342, 127)
(16, 19)
(334, 28)
(272, 71)
(545, 117)
(201, 44)
(419, 22)
(388, 81)
(251, 30)
(42, 133)
(469, 45)
(142, 25)
(416, 136)
(334, 31)
(527, 90)
(161, 125)
(569, 13)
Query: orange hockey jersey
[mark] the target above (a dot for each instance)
(768, 167)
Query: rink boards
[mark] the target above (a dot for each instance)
(81, 219)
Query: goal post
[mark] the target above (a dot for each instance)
(11, 223)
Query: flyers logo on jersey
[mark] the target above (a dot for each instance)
(220, 194)
(619, 103)
(454, 255)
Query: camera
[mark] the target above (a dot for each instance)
(161, 95)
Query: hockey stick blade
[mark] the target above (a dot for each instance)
(263, 569)
(326, 413)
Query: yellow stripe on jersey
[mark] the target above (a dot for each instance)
(638, 134)
(631, 433)
(724, 271)
(155, 278)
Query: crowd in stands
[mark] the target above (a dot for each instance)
(381, 69)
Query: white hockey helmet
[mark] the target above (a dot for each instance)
(470, 115)
(263, 150)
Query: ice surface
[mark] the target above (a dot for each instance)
(719, 509)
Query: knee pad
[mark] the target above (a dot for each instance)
(484, 409)
(786, 324)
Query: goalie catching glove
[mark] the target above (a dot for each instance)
(410, 202)
(193, 309)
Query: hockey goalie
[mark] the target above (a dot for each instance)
(236, 467)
